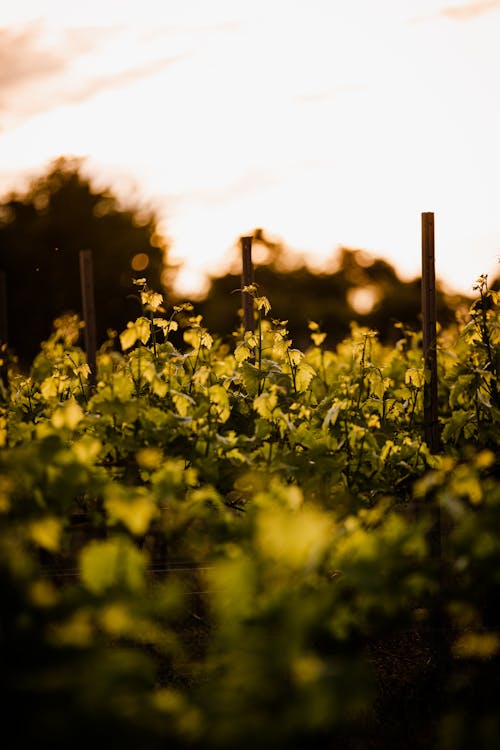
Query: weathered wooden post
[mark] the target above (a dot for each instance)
(429, 329)
(438, 623)
(247, 280)
(4, 333)
(88, 303)
(3, 309)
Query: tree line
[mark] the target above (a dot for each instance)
(43, 228)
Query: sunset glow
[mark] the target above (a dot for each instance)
(325, 122)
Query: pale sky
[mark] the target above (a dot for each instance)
(326, 122)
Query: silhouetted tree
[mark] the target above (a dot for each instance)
(41, 234)
(359, 288)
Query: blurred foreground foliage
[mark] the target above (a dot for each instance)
(227, 546)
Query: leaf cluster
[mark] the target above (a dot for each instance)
(214, 545)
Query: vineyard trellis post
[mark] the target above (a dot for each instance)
(429, 345)
(4, 333)
(88, 304)
(247, 280)
(3, 309)
(438, 622)
(429, 328)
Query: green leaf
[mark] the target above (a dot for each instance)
(455, 425)
(241, 353)
(415, 377)
(303, 376)
(134, 507)
(266, 403)
(138, 331)
(280, 347)
(68, 415)
(220, 400)
(295, 539)
(111, 564)
(46, 532)
(251, 377)
(182, 402)
(122, 386)
(159, 387)
(87, 449)
(49, 388)
(332, 414)
(128, 337)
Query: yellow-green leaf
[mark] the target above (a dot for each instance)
(414, 377)
(138, 331)
(49, 388)
(123, 386)
(68, 415)
(241, 353)
(46, 532)
(280, 346)
(128, 337)
(135, 512)
(143, 328)
(219, 399)
(87, 449)
(112, 563)
(295, 539)
(151, 300)
(182, 403)
(303, 376)
(266, 403)
(318, 338)
(159, 387)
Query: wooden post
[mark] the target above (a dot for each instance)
(247, 280)
(438, 621)
(88, 303)
(429, 322)
(3, 309)
(4, 334)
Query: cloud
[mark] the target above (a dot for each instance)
(466, 12)
(32, 63)
(96, 85)
(23, 60)
(37, 71)
(471, 10)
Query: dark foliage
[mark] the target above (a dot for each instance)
(41, 234)
(361, 288)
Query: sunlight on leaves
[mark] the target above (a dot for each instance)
(151, 300)
(69, 415)
(138, 331)
(46, 532)
(220, 401)
(183, 403)
(135, 509)
(112, 563)
(298, 539)
(303, 376)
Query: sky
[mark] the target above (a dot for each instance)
(326, 122)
